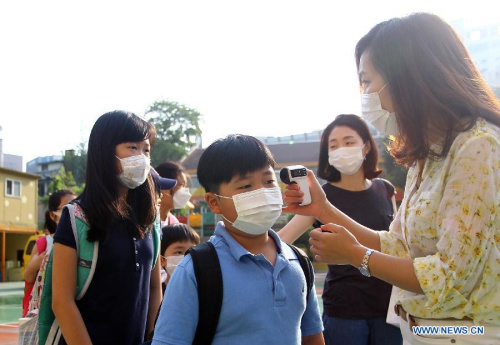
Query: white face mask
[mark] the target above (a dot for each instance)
(381, 119)
(181, 197)
(347, 160)
(257, 210)
(135, 170)
(172, 262)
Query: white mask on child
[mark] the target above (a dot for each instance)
(172, 262)
(257, 210)
(135, 170)
(181, 197)
(347, 160)
(381, 119)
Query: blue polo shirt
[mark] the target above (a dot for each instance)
(262, 303)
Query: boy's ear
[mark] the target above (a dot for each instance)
(213, 202)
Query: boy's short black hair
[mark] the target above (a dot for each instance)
(178, 232)
(234, 155)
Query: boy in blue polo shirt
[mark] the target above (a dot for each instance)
(264, 300)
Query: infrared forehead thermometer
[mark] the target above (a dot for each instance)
(297, 174)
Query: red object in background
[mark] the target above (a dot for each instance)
(400, 193)
(183, 219)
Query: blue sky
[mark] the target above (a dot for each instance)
(263, 68)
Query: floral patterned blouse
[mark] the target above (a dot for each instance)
(450, 226)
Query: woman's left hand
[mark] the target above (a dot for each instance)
(334, 244)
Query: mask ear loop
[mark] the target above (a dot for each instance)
(364, 157)
(224, 197)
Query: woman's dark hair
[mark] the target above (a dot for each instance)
(435, 88)
(178, 232)
(357, 124)
(100, 198)
(236, 154)
(54, 202)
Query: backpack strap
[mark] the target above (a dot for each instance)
(384, 187)
(87, 251)
(307, 267)
(86, 263)
(210, 291)
(156, 233)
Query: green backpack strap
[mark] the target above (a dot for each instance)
(156, 239)
(46, 317)
(307, 267)
(87, 252)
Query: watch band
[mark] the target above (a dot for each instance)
(363, 268)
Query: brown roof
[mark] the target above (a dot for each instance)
(299, 153)
(190, 163)
(305, 153)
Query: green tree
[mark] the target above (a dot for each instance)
(177, 128)
(75, 161)
(63, 180)
(393, 172)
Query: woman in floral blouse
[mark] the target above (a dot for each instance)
(421, 87)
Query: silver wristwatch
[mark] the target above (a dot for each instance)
(363, 268)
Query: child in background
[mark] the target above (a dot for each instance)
(176, 240)
(176, 197)
(44, 244)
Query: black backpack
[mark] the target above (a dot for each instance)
(209, 279)
(208, 275)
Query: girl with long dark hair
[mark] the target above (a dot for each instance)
(118, 202)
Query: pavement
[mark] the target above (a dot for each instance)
(11, 294)
(8, 333)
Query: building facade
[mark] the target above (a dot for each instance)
(18, 218)
(47, 168)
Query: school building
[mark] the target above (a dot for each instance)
(18, 219)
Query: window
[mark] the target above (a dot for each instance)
(12, 188)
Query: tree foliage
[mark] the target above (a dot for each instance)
(177, 128)
(393, 172)
(63, 180)
(75, 161)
